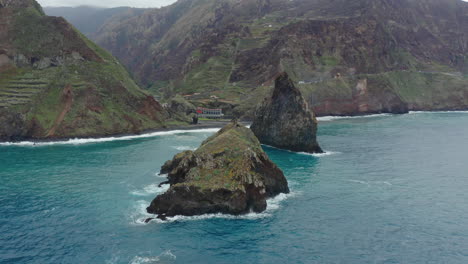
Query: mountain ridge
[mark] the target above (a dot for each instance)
(234, 49)
(55, 83)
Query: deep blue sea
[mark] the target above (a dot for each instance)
(391, 189)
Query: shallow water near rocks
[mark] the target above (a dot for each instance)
(392, 189)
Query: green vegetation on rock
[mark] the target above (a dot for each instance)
(229, 173)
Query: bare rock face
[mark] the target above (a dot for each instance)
(180, 109)
(229, 173)
(285, 120)
(13, 125)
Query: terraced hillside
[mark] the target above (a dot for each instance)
(20, 91)
(347, 57)
(55, 83)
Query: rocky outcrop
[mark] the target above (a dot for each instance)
(12, 125)
(229, 174)
(180, 109)
(285, 120)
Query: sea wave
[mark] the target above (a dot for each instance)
(437, 112)
(81, 141)
(369, 183)
(140, 214)
(165, 257)
(318, 155)
(332, 118)
(183, 148)
(159, 175)
(151, 189)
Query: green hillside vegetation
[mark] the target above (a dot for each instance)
(233, 49)
(63, 85)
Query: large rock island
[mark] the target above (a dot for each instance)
(285, 121)
(229, 173)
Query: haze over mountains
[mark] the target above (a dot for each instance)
(348, 57)
(87, 19)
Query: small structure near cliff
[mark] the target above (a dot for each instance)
(229, 173)
(285, 121)
(210, 113)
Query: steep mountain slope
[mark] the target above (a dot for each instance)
(89, 19)
(55, 83)
(348, 57)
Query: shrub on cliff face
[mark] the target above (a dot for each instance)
(229, 173)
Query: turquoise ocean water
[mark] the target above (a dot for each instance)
(391, 189)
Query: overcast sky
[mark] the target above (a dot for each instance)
(107, 3)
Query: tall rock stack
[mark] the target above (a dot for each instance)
(285, 120)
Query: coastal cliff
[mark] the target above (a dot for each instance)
(55, 83)
(229, 173)
(347, 57)
(285, 121)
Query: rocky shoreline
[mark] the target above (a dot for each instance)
(214, 124)
(201, 125)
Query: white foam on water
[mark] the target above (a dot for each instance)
(182, 148)
(157, 174)
(437, 112)
(319, 155)
(81, 141)
(387, 183)
(139, 213)
(273, 204)
(360, 182)
(151, 189)
(371, 183)
(165, 257)
(332, 118)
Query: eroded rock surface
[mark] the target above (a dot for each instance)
(229, 173)
(285, 121)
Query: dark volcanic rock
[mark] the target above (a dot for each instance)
(180, 109)
(13, 125)
(285, 120)
(229, 173)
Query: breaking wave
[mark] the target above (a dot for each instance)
(139, 214)
(319, 155)
(151, 189)
(80, 141)
(165, 257)
(332, 118)
(437, 112)
(159, 175)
